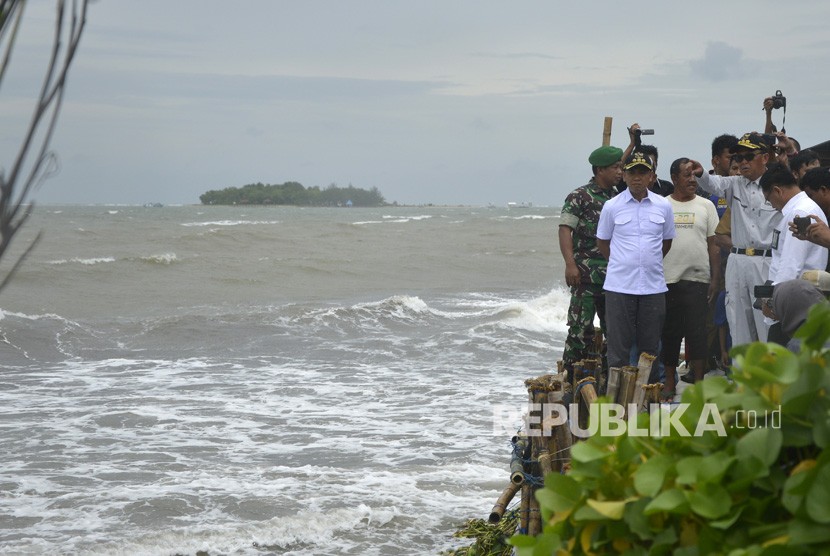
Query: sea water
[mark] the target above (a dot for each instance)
(267, 380)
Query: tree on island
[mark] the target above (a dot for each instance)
(293, 193)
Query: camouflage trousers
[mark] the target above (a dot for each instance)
(587, 300)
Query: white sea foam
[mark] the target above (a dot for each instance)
(163, 258)
(390, 219)
(231, 223)
(351, 415)
(87, 262)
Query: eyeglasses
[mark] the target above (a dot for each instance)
(749, 157)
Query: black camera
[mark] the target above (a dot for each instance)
(646, 131)
(802, 223)
(763, 292)
(779, 100)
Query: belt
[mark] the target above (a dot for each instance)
(751, 251)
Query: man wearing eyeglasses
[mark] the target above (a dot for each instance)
(753, 223)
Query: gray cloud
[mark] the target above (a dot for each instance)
(721, 62)
(516, 55)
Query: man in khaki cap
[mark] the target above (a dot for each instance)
(753, 222)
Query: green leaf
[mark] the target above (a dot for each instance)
(729, 520)
(714, 387)
(806, 532)
(816, 329)
(586, 452)
(798, 398)
(710, 501)
(687, 470)
(821, 426)
(612, 509)
(561, 493)
(673, 501)
(817, 502)
(546, 543)
(649, 477)
(764, 444)
(587, 513)
(714, 467)
(794, 490)
(636, 519)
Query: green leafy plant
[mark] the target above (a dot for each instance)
(763, 488)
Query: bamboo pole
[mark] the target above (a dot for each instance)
(643, 371)
(606, 130)
(628, 383)
(587, 390)
(534, 517)
(501, 504)
(524, 508)
(613, 383)
(517, 466)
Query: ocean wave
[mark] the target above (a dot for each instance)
(87, 262)
(529, 217)
(231, 223)
(547, 313)
(389, 219)
(163, 258)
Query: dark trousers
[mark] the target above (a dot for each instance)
(633, 319)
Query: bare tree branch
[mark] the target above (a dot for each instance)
(34, 160)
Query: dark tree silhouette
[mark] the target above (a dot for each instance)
(34, 162)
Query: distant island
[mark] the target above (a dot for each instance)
(293, 193)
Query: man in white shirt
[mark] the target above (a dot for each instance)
(634, 233)
(753, 221)
(692, 270)
(790, 256)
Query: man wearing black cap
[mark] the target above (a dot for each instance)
(584, 265)
(635, 232)
(753, 222)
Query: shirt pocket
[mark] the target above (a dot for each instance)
(653, 224)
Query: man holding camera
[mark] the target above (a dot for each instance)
(753, 222)
(816, 184)
(790, 257)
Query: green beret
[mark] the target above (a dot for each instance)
(605, 156)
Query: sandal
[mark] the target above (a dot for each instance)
(667, 396)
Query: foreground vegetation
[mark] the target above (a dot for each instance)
(761, 489)
(293, 193)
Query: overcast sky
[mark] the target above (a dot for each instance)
(434, 101)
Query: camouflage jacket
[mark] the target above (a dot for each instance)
(581, 213)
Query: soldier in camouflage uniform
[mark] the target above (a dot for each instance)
(584, 264)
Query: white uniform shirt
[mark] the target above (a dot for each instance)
(636, 230)
(790, 255)
(753, 218)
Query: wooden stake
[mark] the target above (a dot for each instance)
(606, 131)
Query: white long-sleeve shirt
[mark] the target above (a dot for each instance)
(790, 255)
(753, 218)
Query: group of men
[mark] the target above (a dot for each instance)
(649, 266)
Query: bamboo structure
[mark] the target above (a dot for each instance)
(643, 371)
(613, 383)
(501, 504)
(517, 469)
(545, 447)
(606, 130)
